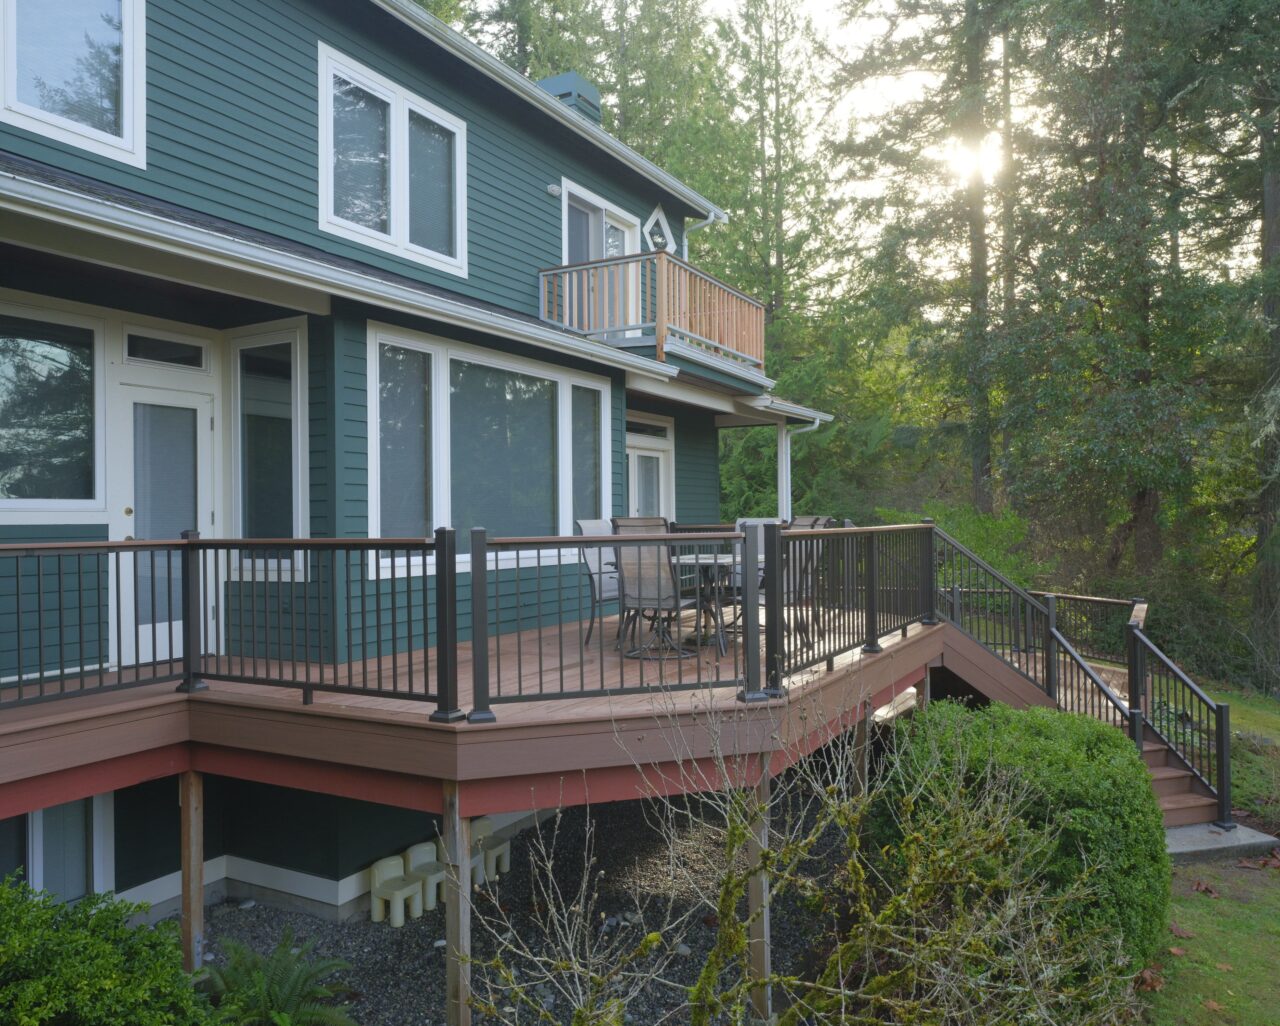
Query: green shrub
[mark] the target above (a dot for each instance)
(84, 965)
(1087, 788)
(284, 988)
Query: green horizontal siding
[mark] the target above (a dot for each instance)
(697, 458)
(232, 132)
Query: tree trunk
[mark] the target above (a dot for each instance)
(977, 355)
(1266, 589)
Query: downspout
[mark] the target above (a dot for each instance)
(785, 433)
(713, 218)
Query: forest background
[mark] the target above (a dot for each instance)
(1026, 251)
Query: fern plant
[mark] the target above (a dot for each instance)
(284, 988)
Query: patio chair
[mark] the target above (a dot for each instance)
(421, 864)
(649, 590)
(495, 850)
(602, 572)
(391, 889)
(810, 523)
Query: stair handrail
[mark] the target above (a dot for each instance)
(968, 553)
(1092, 675)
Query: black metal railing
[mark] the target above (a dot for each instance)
(664, 612)
(1195, 727)
(974, 596)
(1096, 626)
(1077, 686)
(830, 591)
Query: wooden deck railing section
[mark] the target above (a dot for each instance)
(650, 298)
(382, 617)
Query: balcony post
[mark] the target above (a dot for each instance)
(192, 614)
(1136, 665)
(480, 711)
(871, 611)
(773, 610)
(928, 576)
(1223, 731)
(1051, 648)
(446, 548)
(661, 299)
(752, 690)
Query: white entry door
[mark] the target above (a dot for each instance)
(162, 467)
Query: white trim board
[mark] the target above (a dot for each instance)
(128, 224)
(401, 104)
(130, 147)
(257, 874)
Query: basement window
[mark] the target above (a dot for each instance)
(392, 167)
(75, 71)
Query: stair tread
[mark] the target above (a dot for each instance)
(1167, 772)
(1154, 746)
(1185, 801)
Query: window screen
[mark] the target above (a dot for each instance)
(503, 441)
(404, 412)
(46, 411)
(431, 185)
(361, 162)
(266, 441)
(70, 60)
(586, 453)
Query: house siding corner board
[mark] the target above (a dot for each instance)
(232, 132)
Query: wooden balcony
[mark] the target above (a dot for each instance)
(652, 299)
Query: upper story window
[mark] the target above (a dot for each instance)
(393, 167)
(593, 228)
(75, 71)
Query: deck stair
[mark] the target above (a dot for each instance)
(1092, 656)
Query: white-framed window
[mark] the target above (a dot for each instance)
(467, 437)
(592, 228)
(75, 71)
(71, 847)
(52, 401)
(154, 347)
(393, 167)
(651, 465)
(269, 439)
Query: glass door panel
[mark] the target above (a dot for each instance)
(164, 469)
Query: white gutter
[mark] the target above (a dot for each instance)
(772, 404)
(103, 217)
(461, 47)
(785, 434)
(711, 219)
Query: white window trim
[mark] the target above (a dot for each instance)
(102, 855)
(166, 336)
(443, 352)
(666, 446)
(98, 326)
(130, 147)
(401, 102)
(622, 218)
(659, 216)
(255, 338)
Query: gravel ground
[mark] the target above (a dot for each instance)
(397, 976)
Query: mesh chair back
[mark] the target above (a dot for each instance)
(646, 577)
(600, 562)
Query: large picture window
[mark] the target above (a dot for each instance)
(392, 167)
(469, 438)
(48, 424)
(74, 71)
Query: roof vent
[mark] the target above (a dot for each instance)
(574, 91)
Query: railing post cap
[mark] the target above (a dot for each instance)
(190, 535)
(927, 520)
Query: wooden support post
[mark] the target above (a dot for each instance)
(191, 800)
(758, 938)
(457, 916)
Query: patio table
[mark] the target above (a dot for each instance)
(713, 569)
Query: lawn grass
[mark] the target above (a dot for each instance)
(1255, 754)
(1227, 975)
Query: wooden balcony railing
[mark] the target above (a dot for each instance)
(624, 300)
